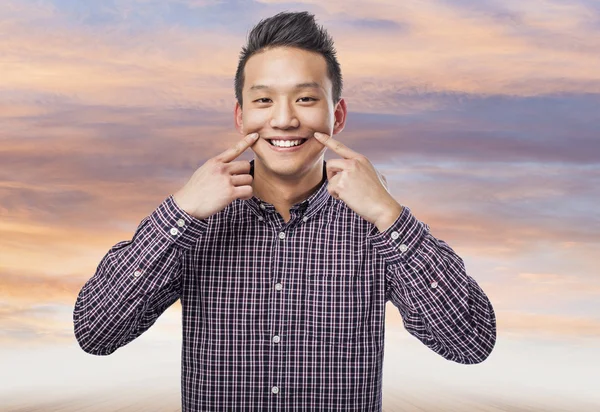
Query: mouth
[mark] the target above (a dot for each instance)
(302, 141)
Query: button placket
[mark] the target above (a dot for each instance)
(276, 338)
(395, 235)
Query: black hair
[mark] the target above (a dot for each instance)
(291, 29)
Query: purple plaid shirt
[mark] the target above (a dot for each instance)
(284, 316)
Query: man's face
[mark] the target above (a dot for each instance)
(275, 106)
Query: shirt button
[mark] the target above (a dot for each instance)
(403, 248)
(262, 206)
(174, 231)
(261, 218)
(275, 389)
(434, 284)
(137, 273)
(276, 339)
(395, 235)
(180, 222)
(278, 286)
(305, 218)
(281, 235)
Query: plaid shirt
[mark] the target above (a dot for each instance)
(284, 316)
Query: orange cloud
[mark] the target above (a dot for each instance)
(527, 325)
(37, 309)
(91, 124)
(535, 325)
(444, 49)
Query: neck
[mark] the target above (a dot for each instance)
(283, 192)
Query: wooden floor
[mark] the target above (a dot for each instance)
(170, 402)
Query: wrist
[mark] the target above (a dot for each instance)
(177, 198)
(389, 216)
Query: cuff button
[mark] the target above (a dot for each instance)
(180, 222)
(174, 231)
(403, 247)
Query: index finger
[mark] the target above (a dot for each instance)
(239, 148)
(336, 146)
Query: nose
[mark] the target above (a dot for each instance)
(284, 116)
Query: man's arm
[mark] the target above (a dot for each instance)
(426, 280)
(136, 281)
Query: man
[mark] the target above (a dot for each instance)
(284, 264)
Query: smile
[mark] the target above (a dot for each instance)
(287, 145)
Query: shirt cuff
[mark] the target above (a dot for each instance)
(175, 223)
(399, 241)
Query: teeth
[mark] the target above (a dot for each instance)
(286, 143)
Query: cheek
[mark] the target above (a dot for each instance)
(316, 119)
(255, 118)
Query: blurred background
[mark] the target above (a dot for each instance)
(482, 114)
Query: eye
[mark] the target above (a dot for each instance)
(311, 99)
(262, 98)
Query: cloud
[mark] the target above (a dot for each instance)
(573, 293)
(371, 24)
(526, 325)
(32, 326)
(446, 50)
(37, 309)
(24, 291)
(452, 48)
(438, 137)
(119, 164)
(547, 278)
(536, 325)
(482, 116)
(555, 285)
(530, 325)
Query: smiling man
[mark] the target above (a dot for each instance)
(284, 264)
(287, 94)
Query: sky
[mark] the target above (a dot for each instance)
(483, 116)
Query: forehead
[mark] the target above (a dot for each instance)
(283, 68)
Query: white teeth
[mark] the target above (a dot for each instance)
(286, 143)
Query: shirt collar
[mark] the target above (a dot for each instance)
(310, 206)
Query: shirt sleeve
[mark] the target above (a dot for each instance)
(136, 281)
(439, 303)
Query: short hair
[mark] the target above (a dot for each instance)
(291, 29)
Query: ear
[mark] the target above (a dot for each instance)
(339, 114)
(237, 118)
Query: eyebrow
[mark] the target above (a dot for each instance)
(308, 85)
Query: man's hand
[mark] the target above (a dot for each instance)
(354, 180)
(218, 182)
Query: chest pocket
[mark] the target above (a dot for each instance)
(333, 309)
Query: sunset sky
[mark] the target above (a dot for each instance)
(484, 116)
